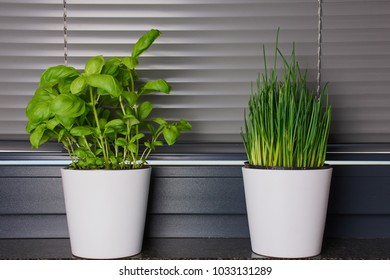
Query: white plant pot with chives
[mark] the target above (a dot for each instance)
(287, 210)
(106, 211)
(286, 181)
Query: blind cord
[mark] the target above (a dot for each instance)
(65, 35)
(319, 41)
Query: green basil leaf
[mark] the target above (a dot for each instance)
(82, 143)
(94, 65)
(184, 125)
(38, 136)
(109, 130)
(130, 97)
(61, 135)
(82, 131)
(153, 86)
(106, 83)
(78, 85)
(144, 42)
(54, 74)
(64, 85)
(132, 148)
(66, 122)
(38, 108)
(160, 121)
(111, 66)
(38, 111)
(45, 94)
(52, 123)
(30, 126)
(130, 62)
(151, 128)
(158, 143)
(147, 145)
(137, 137)
(67, 105)
(80, 153)
(116, 124)
(102, 122)
(131, 119)
(113, 160)
(171, 133)
(144, 110)
(121, 142)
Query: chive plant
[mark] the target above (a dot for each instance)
(287, 124)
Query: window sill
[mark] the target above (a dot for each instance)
(195, 248)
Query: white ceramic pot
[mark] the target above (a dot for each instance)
(287, 210)
(106, 211)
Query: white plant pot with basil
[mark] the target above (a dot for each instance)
(286, 180)
(105, 124)
(106, 211)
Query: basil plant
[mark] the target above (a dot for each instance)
(101, 116)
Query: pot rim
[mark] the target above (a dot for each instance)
(247, 165)
(108, 170)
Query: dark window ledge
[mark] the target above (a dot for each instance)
(195, 248)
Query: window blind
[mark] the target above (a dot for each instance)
(31, 39)
(209, 51)
(356, 63)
